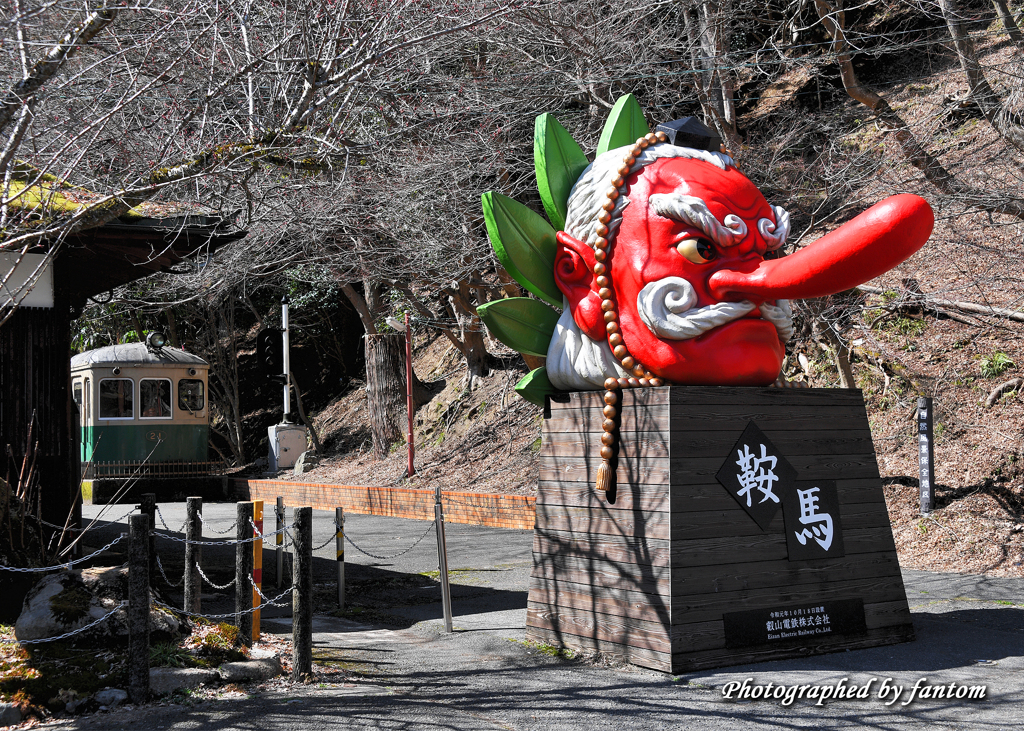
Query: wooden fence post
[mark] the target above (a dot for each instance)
(148, 506)
(243, 570)
(279, 540)
(193, 553)
(339, 547)
(302, 595)
(138, 607)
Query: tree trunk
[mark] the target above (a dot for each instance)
(1009, 23)
(385, 391)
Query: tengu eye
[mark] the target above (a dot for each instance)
(699, 251)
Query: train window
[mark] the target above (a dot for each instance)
(76, 392)
(116, 396)
(155, 398)
(191, 396)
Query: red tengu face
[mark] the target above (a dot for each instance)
(653, 245)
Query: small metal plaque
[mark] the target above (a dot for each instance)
(757, 475)
(811, 623)
(813, 527)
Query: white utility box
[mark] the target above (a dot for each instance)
(287, 442)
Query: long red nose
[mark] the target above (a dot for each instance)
(869, 245)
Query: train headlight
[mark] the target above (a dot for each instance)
(156, 340)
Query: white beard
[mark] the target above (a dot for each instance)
(577, 363)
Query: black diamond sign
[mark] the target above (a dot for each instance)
(813, 529)
(757, 475)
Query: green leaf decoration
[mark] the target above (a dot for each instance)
(625, 125)
(559, 162)
(523, 324)
(525, 244)
(534, 386)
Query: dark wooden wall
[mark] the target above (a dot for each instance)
(650, 576)
(35, 375)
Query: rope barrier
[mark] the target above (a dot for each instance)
(72, 633)
(69, 564)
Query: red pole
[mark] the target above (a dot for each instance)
(408, 389)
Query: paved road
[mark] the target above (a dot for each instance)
(970, 630)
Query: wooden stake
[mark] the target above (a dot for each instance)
(302, 596)
(243, 570)
(138, 607)
(193, 553)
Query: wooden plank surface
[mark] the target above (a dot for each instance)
(602, 574)
(638, 656)
(583, 494)
(754, 575)
(732, 549)
(604, 520)
(701, 471)
(627, 550)
(708, 607)
(600, 627)
(689, 661)
(612, 601)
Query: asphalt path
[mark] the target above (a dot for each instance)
(411, 675)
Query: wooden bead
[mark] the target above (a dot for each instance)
(644, 383)
(608, 440)
(620, 352)
(657, 382)
(601, 243)
(618, 183)
(600, 254)
(610, 412)
(605, 218)
(604, 293)
(599, 269)
(611, 316)
(636, 150)
(608, 305)
(611, 397)
(638, 371)
(629, 160)
(614, 340)
(601, 230)
(610, 384)
(622, 171)
(611, 194)
(609, 206)
(602, 281)
(628, 364)
(634, 383)
(611, 327)
(662, 137)
(607, 452)
(609, 426)
(642, 143)
(623, 382)
(651, 138)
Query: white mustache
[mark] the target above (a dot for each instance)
(667, 308)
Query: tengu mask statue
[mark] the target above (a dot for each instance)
(665, 260)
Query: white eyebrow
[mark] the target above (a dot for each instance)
(775, 233)
(694, 211)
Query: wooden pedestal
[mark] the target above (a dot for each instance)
(670, 575)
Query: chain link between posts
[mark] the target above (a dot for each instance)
(72, 633)
(385, 558)
(228, 614)
(272, 602)
(214, 530)
(160, 565)
(215, 586)
(167, 527)
(234, 542)
(69, 564)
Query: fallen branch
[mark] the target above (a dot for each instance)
(963, 306)
(1014, 384)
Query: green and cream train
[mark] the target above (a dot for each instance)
(141, 407)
